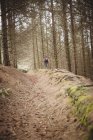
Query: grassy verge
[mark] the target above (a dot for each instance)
(83, 103)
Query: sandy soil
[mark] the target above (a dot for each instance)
(37, 107)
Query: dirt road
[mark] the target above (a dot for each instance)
(36, 109)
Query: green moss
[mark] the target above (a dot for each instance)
(72, 90)
(4, 92)
(83, 103)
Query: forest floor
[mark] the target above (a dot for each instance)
(34, 106)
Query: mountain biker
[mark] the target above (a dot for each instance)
(46, 62)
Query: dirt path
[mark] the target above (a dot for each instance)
(36, 109)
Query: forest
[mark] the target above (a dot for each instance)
(52, 100)
(62, 30)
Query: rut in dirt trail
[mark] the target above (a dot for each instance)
(36, 109)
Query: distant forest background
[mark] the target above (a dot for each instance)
(62, 30)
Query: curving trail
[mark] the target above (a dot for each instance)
(36, 109)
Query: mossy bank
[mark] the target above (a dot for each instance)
(83, 103)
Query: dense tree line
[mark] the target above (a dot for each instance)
(62, 30)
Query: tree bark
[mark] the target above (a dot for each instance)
(41, 29)
(83, 49)
(73, 36)
(37, 49)
(4, 32)
(33, 43)
(54, 36)
(66, 41)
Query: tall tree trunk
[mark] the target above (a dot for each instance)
(47, 41)
(73, 36)
(83, 49)
(37, 49)
(33, 43)
(14, 41)
(66, 42)
(60, 48)
(46, 35)
(54, 35)
(4, 32)
(0, 51)
(88, 54)
(41, 29)
(15, 52)
(91, 39)
(34, 58)
(11, 34)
